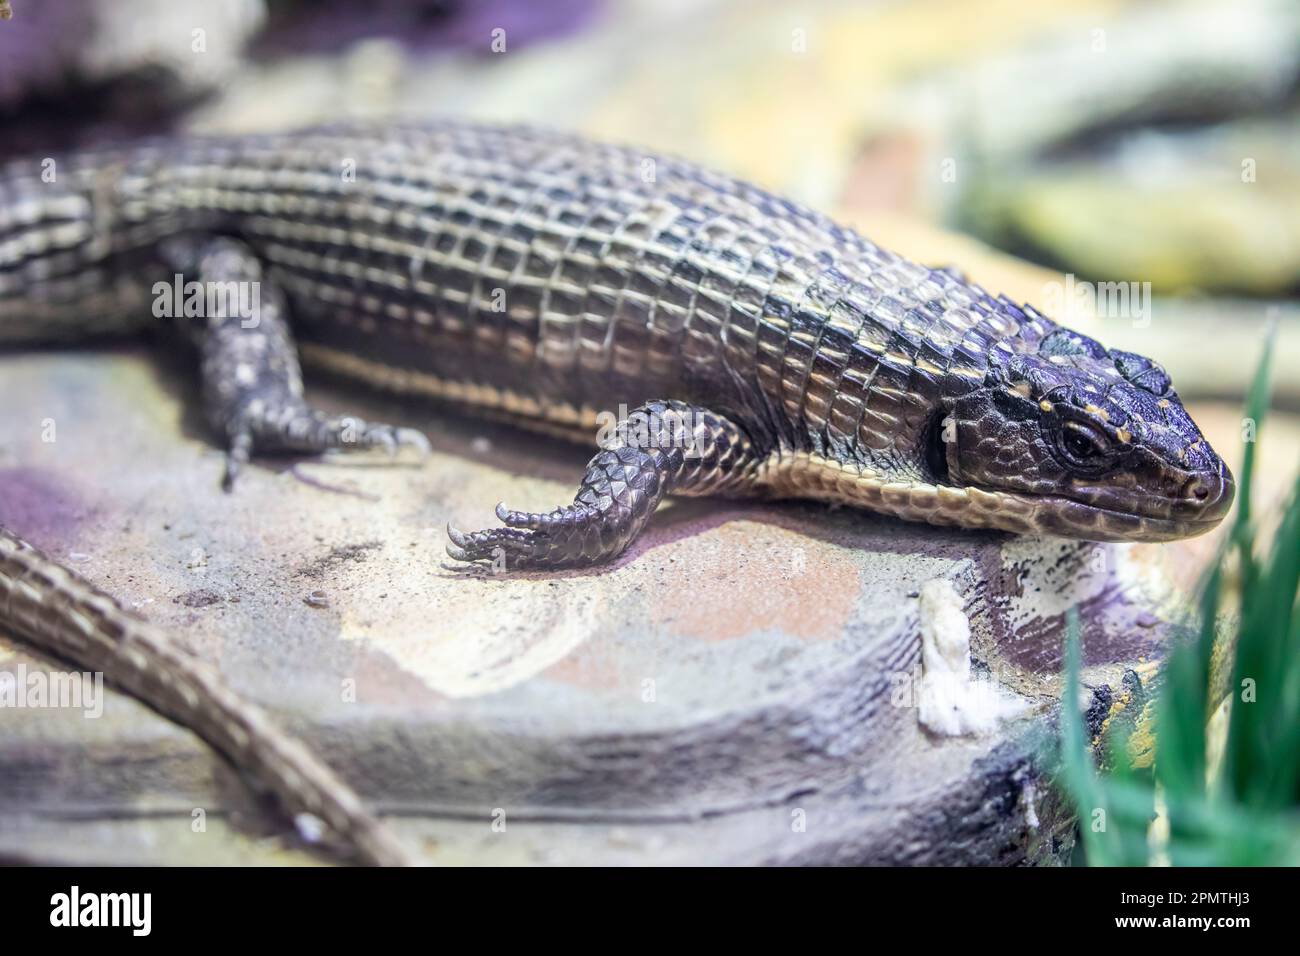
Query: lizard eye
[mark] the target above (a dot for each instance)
(1083, 445)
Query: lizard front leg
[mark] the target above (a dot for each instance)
(252, 382)
(661, 448)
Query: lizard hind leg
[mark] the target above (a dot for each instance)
(661, 448)
(252, 381)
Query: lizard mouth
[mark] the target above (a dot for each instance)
(1200, 503)
(1066, 517)
(814, 476)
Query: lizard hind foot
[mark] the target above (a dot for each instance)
(294, 427)
(252, 381)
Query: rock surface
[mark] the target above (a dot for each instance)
(738, 688)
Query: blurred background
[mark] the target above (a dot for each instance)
(1130, 166)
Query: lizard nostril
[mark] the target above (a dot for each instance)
(1206, 497)
(1199, 490)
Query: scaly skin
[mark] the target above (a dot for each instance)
(549, 279)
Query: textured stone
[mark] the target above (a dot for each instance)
(735, 688)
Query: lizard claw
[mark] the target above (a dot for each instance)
(458, 542)
(415, 440)
(237, 456)
(535, 521)
(459, 538)
(514, 519)
(407, 443)
(493, 544)
(383, 438)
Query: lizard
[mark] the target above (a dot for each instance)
(724, 341)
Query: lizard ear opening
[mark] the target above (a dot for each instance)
(936, 448)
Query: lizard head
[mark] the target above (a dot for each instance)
(1086, 443)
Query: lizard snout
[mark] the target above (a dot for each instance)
(1206, 496)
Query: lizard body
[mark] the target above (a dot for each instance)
(738, 343)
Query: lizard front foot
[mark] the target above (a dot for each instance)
(661, 448)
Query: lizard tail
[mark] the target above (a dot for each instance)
(65, 616)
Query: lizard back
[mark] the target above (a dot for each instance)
(532, 271)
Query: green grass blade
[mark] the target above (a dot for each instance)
(1253, 816)
(1261, 759)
